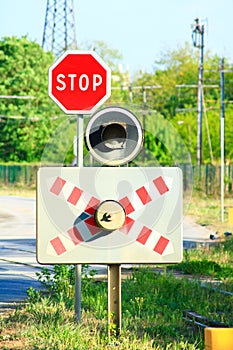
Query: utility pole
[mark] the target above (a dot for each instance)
(144, 120)
(198, 41)
(222, 143)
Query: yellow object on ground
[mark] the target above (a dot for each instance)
(230, 216)
(218, 338)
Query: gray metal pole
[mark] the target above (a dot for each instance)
(200, 98)
(78, 267)
(222, 142)
(78, 291)
(80, 140)
(144, 121)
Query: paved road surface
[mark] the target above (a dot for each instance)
(17, 248)
(18, 265)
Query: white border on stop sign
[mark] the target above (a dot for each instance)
(108, 81)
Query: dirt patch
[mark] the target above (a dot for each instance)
(6, 217)
(10, 339)
(12, 344)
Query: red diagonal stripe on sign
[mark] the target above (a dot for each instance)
(57, 185)
(144, 235)
(127, 205)
(127, 225)
(160, 185)
(92, 205)
(75, 235)
(143, 195)
(58, 245)
(161, 245)
(91, 225)
(75, 195)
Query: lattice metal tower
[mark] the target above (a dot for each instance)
(59, 27)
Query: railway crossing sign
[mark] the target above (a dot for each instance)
(109, 215)
(79, 82)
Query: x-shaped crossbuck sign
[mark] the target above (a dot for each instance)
(85, 229)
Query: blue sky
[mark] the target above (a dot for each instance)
(140, 30)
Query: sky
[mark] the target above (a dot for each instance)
(139, 29)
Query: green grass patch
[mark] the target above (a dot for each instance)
(152, 307)
(152, 302)
(204, 267)
(215, 261)
(18, 190)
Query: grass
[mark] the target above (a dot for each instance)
(206, 211)
(215, 261)
(152, 302)
(152, 308)
(18, 190)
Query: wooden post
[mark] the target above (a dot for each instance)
(114, 299)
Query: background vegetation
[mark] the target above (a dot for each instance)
(154, 301)
(27, 125)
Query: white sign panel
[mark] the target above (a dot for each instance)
(67, 205)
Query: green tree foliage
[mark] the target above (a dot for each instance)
(23, 72)
(25, 123)
(176, 71)
(29, 127)
(112, 57)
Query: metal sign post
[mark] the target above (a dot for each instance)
(78, 268)
(222, 142)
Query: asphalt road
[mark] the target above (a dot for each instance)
(18, 265)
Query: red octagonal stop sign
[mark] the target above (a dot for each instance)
(79, 82)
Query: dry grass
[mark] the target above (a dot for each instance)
(17, 191)
(206, 211)
(11, 337)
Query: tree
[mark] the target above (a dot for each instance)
(26, 124)
(175, 71)
(120, 78)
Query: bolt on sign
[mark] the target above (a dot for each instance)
(79, 82)
(109, 215)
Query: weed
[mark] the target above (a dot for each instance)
(204, 267)
(152, 305)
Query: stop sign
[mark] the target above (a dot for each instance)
(79, 82)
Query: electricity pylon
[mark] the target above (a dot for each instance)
(59, 27)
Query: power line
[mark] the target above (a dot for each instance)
(34, 119)
(17, 97)
(143, 88)
(196, 86)
(219, 70)
(133, 87)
